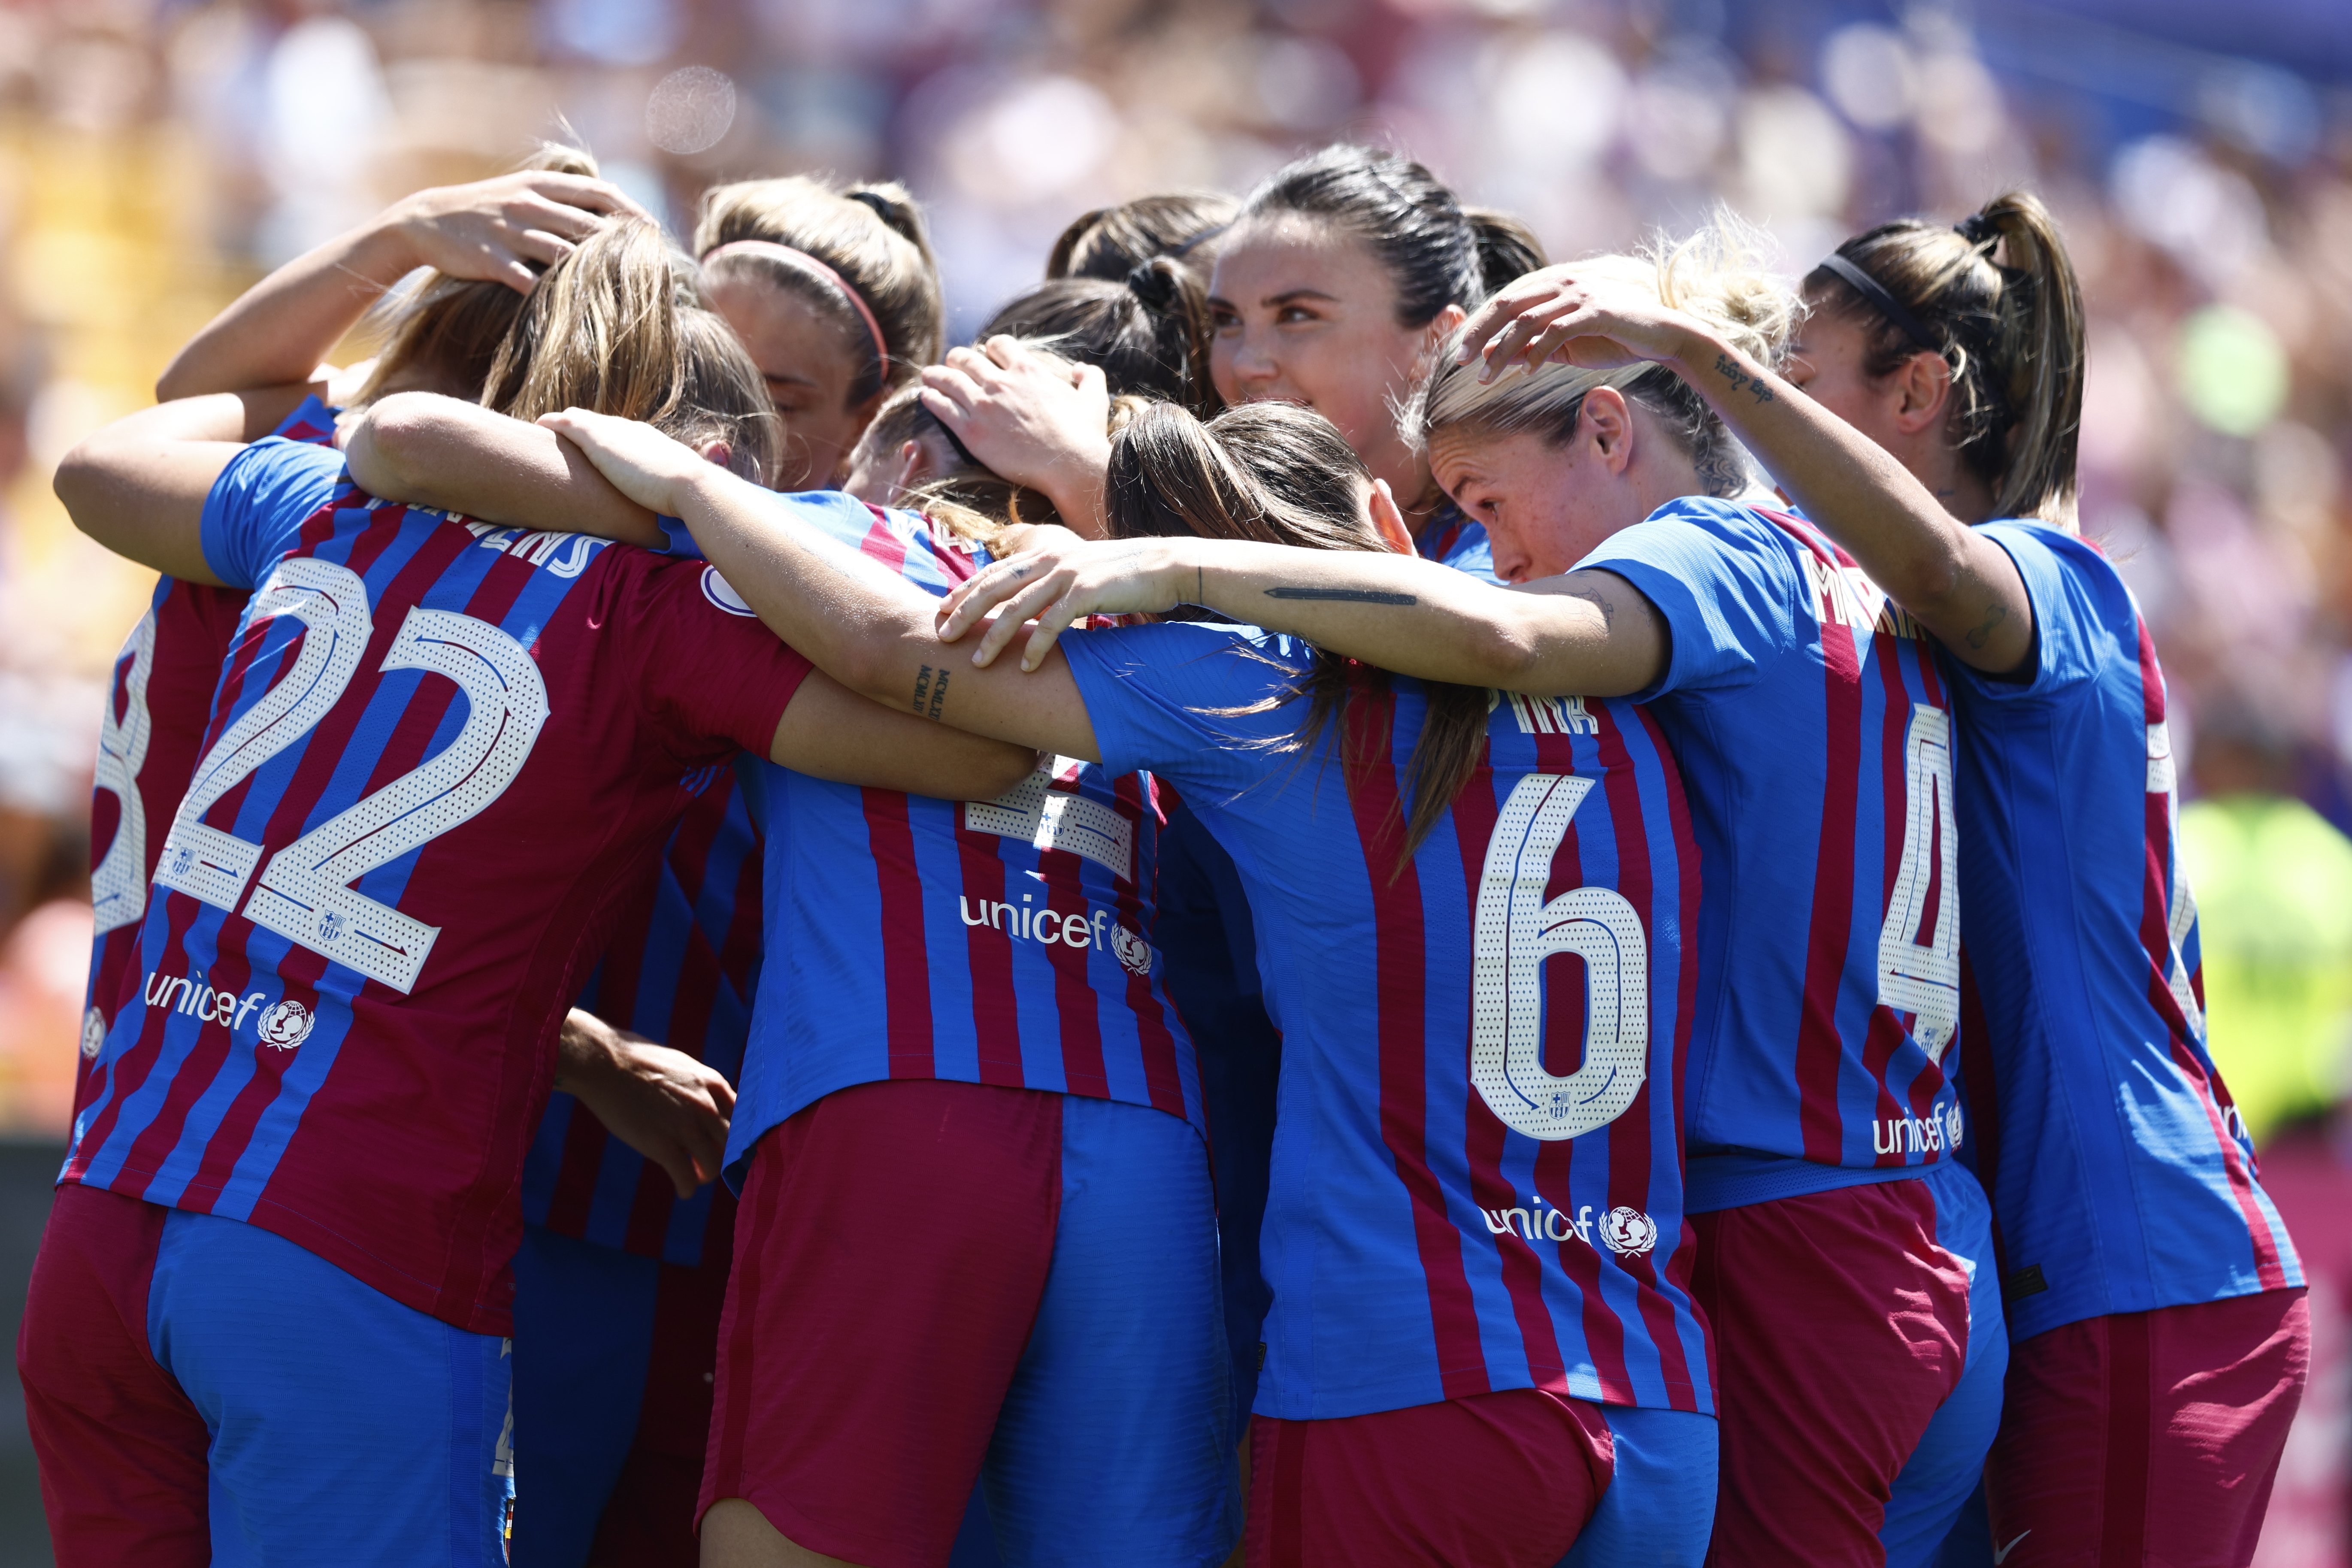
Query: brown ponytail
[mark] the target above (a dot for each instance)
(1999, 300)
(1507, 249)
(873, 237)
(1274, 473)
(1111, 242)
(1148, 332)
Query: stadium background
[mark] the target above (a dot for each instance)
(156, 157)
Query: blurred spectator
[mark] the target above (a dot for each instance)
(2273, 886)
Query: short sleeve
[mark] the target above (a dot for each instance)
(258, 507)
(1161, 697)
(313, 422)
(1725, 581)
(2077, 599)
(715, 677)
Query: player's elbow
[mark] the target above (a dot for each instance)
(993, 768)
(86, 478)
(390, 450)
(1505, 651)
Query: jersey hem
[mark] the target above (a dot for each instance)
(1377, 1399)
(1714, 1181)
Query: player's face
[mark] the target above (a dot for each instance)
(1305, 314)
(808, 369)
(1826, 363)
(1543, 512)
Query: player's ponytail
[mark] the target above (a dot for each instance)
(1996, 298)
(1146, 331)
(871, 238)
(1507, 248)
(442, 334)
(1109, 243)
(612, 328)
(1274, 473)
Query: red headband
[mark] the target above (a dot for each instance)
(802, 261)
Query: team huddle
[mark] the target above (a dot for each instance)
(1344, 897)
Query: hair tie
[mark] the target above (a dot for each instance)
(1977, 228)
(801, 261)
(875, 203)
(1155, 285)
(1892, 309)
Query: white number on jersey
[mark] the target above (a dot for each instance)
(117, 888)
(1052, 818)
(305, 895)
(1922, 977)
(1515, 931)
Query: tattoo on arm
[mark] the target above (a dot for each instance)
(939, 696)
(1602, 600)
(1740, 380)
(1977, 637)
(1342, 595)
(922, 690)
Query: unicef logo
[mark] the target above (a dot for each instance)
(1132, 950)
(286, 1025)
(94, 1033)
(1952, 1125)
(1628, 1231)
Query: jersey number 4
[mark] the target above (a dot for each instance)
(305, 893)
(1516, 931)
(1919, 943)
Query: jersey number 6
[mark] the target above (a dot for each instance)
(305, 894)
(1516, 931)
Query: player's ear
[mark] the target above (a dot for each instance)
(1380, 506)
(718, 452)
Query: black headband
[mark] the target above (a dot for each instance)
(1892, 309)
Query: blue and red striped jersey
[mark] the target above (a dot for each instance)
(1005, 941)
(1478, 1166)
(1453, 538)
(157, 701)
(437, 748)
(681, 970)
(1815, 734)
(2121, 1173)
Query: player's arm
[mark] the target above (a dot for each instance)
(665, 1104)
(1587, 632)
(278, 330)
(138, 486)
(873, 633)
(1961, 584)
(829, 732)
(435, 451)
(1036, 419)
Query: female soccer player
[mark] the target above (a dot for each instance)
(437, 748)
(1814, 732)
(2155, 1304)
(1480, 1321)
(1344, 273)
(835, 294)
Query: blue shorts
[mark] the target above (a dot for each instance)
(1659, 1509)
(1947, 1466)
(1026, 1296)
(583, 1339)
(274, 1409)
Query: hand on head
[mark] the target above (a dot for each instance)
(494, 229)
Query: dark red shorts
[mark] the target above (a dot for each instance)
(123, 1448)
(1501, 1480)
(2148, 1437)
(1841, 1326)
(648, 1521)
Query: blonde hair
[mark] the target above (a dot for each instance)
(449, 329)
(2012, 330)
(1718, 275)
(872, 235)
(614, 326)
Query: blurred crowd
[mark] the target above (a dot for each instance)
(155, 157)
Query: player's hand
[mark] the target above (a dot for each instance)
(668, 1107)
(1057, 584)
(651, 469)
(1037, 419)
(495, 228)
(1560, 313)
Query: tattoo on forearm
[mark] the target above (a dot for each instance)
(1199, 593)
(922, 690)
(1980, 635)
(939, 696)
(1740, 380)
(1342, 595)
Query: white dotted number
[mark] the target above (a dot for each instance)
(306, 894)
(1919, 946)
(1516, 931)
(117, 888)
